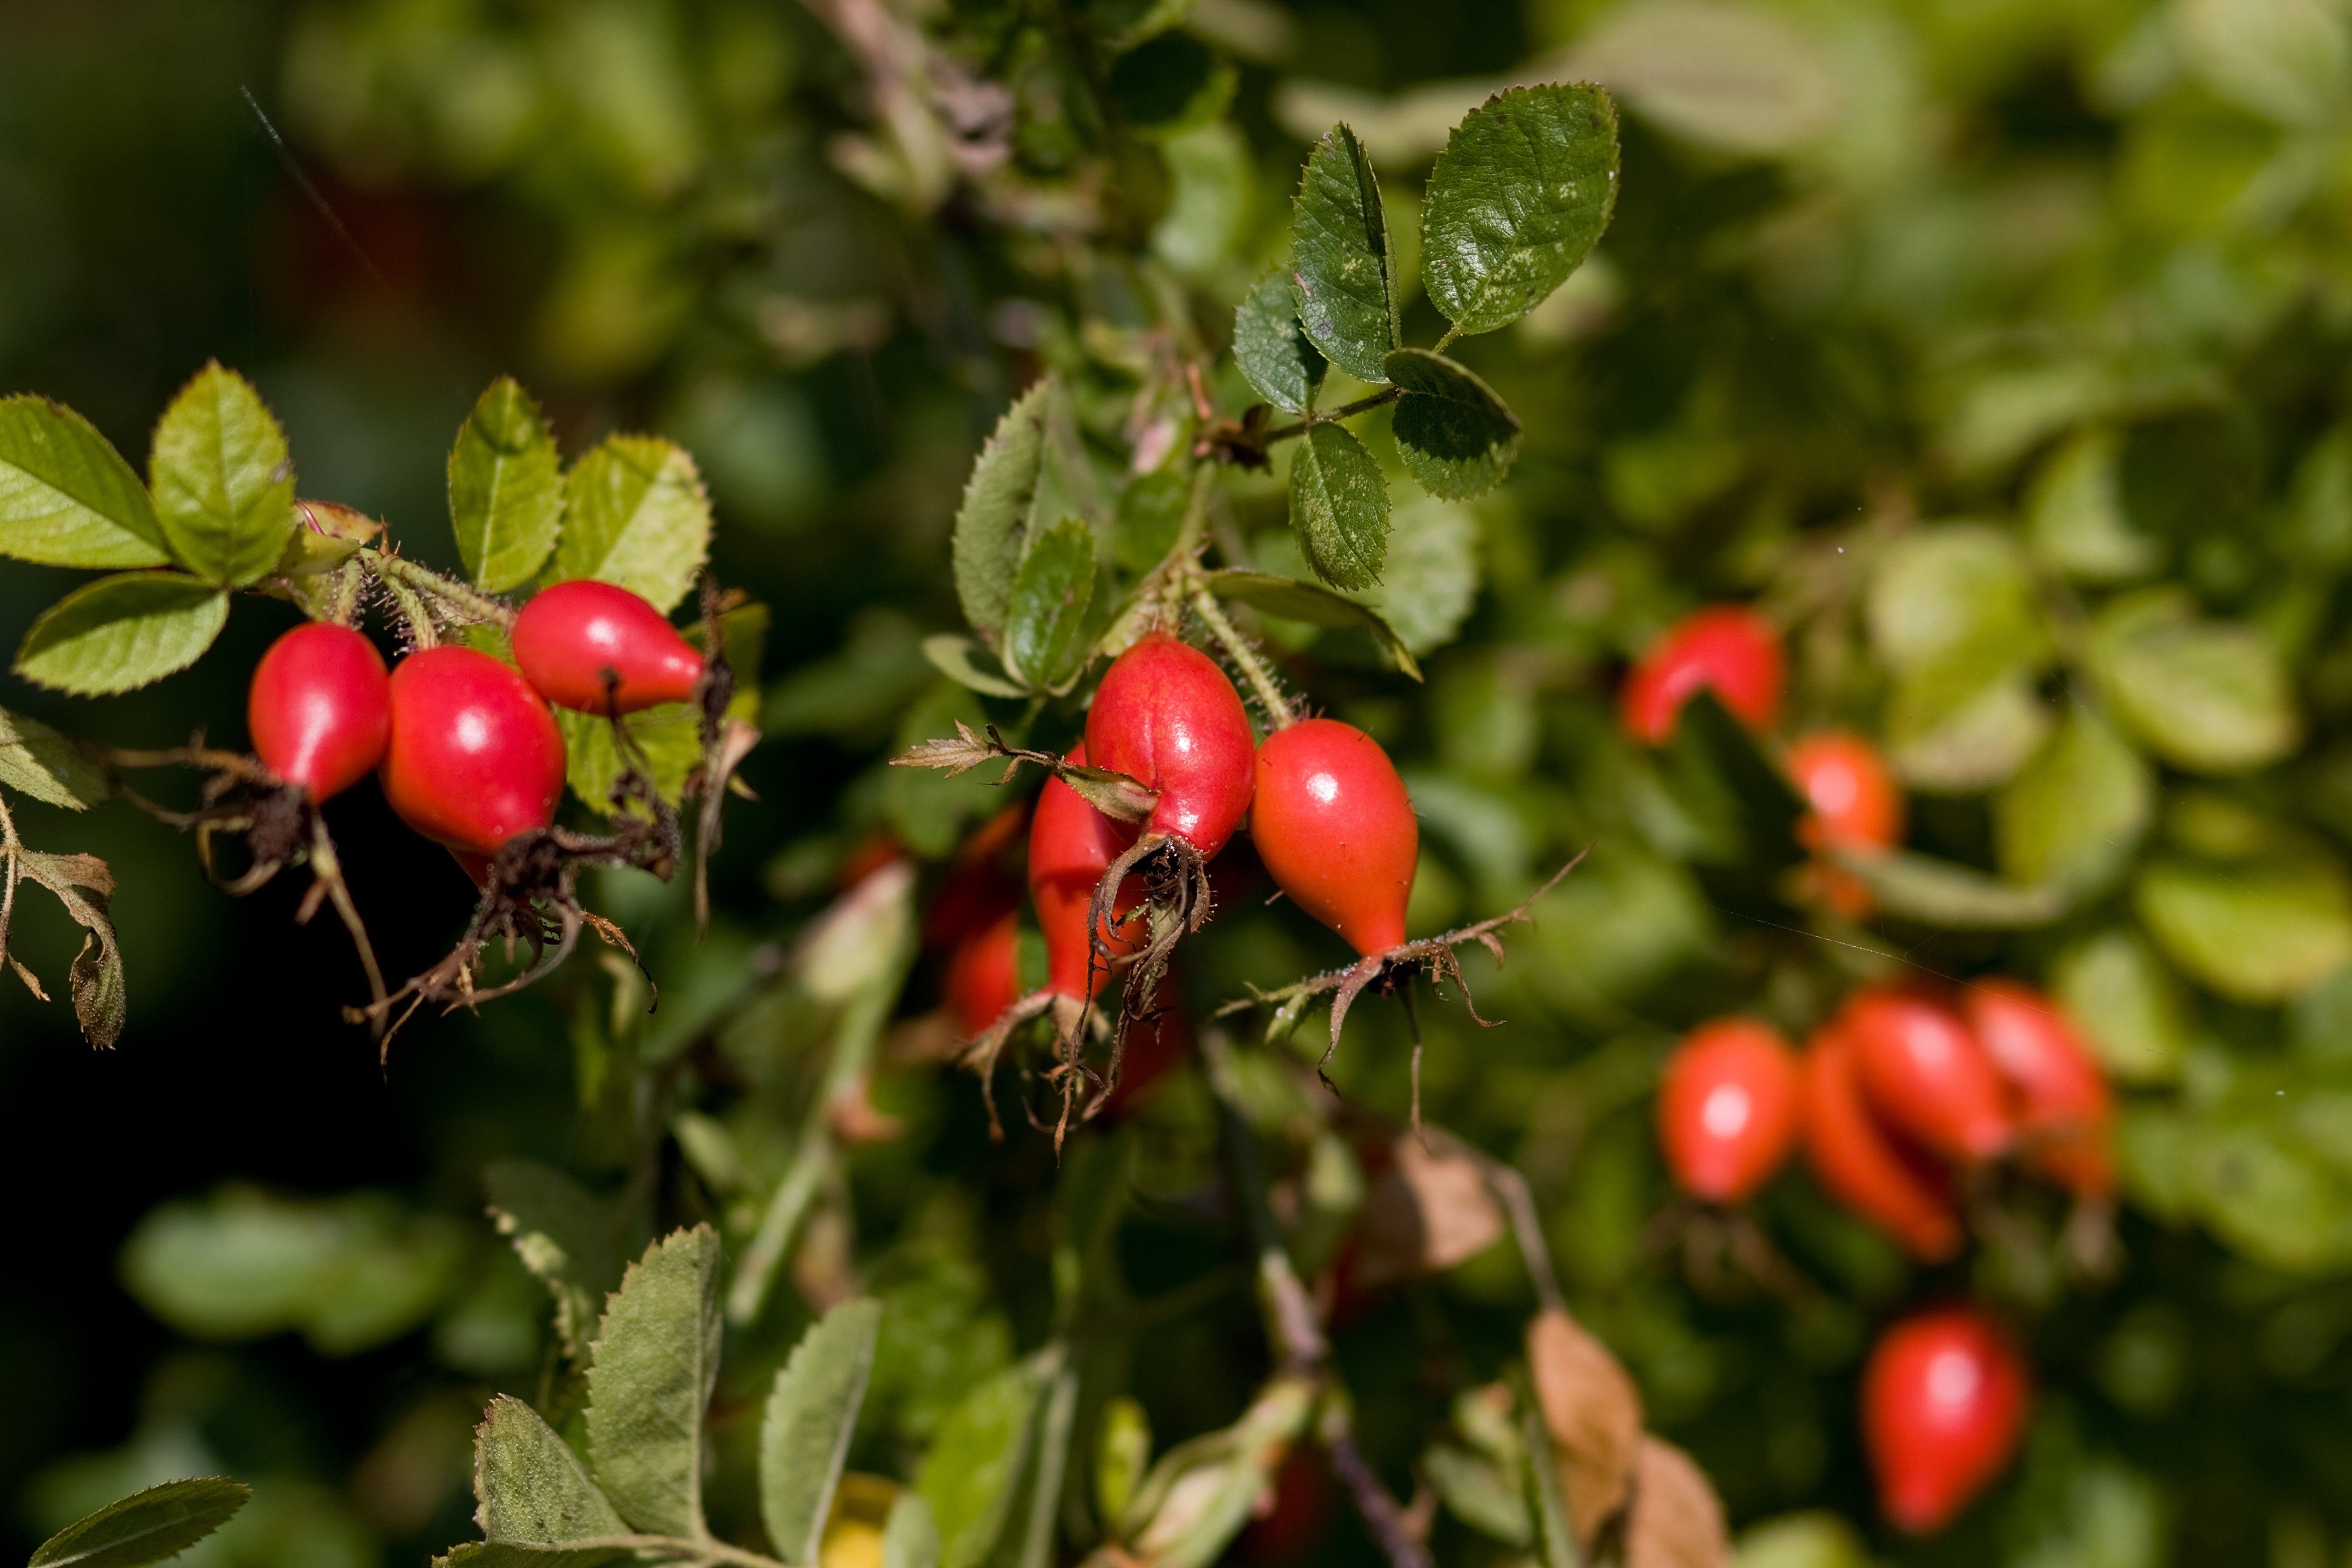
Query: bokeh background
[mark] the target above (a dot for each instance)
(2075, 273)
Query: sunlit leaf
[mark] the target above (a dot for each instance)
(635, 513)
(656, 1358)
(2208, 695)
(2255, 931)
(992, 526)
(122, 632)
(812, 1413)
(2073, 816)
(66, 498)
(223, 482)
(505, 489)
(530, 1485)
(36, 761)
(1339, 507)
(1340, 275)
(1518, 198)
(145, 1527)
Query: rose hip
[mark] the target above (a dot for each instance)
(319, 709)
(1332, 822)
(1866, 1167)
(1924, 1072)
(1727, 1108)
(1944, 1399)
(475, 757)
(596, 647)
(1727, 648)
(2064, 1111)
(1166, 716)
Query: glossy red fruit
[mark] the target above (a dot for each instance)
(596, 647)
(1727, 647)
(1924, 1072)
(1855, 801)
(1071, 844)
(1727, 1108)
(319, 709)
(1944, 1400)
(475, 757)
(2064, 1112)
(1166, 715)
(1862, 1165)
(1335, 827)
(983, 974)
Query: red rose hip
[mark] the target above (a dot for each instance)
(1944, 1400)
(1332, 823)
(2064, 1111)
(1071, 844)
(319, 709)
(1924, 1072)
(983, 974)
(1166, 716)
(596, 647)
(1861, 1165)
(1728, 648)
(1854, 799)
(1727, 1108)
(475, 757)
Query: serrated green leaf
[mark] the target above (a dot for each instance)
(2075, 816)
(992, 526)
(570, 1238)
(1287, 598)
(1339, 507)
(505, 489)
(1516, 201)
(36, 761)
(2257, 932)
(66, 498)
(1272, 351)
(635, 513)
(1456, 437)
(970, 664)
(123, 632)
(528, 1483)
(670, 734)
(1045, 618)
(1957, 898)
(656, 1358)
(145, 1527)
(1341, 277)
(969, 1476)
(223, 482)
(812, 1414)
(522, 1555)
(2208, 696)
(910, 1539)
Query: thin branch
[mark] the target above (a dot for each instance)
(1345, 411)
(1382, 1515)
(471, 603)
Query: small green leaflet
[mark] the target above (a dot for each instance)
(1952, 896)
(505, 489)
(976, 1460)
(993, 523)
(968, 664)
(66, 498)
(2211, 697)
(223, 482)
(1456, 437)
(910, 1539)
(670, 735)
(566, 1235)
(2255, 931)
(812, 1413)
(531, 1487)
(657, 1355)
(145, 1527)
(1516, 202)
(637, 514)
(1287, 598)
(36, 761)
(1340, 274)
(1045, 620)
(122, 632)
(1273, 350)
(1339, 506)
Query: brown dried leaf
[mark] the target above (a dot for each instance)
(1593, 1412)
(1427, 1211)
(965, 751)
(1677, 1519)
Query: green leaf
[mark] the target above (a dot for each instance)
(522, 1555)
(969, 1476)
(572, 1239)
(1272, 351)
(812, 1414)
(2076, 518)
(2255, 931)
(36, 761)
(531, 1487)
(223, 482)
(1480, 1493)
(145, 1527)
(2118, 992)
(1287, 598)
(656, 1358)
(1456, 437)
(1340, 275)
(970, 664)
(1516, 202)
(1211, 180)
(1547, 1496)
(2208, 696)
(66, 498)
(505, 489)
(1045, 618)
(1429, 579)
(2269, 1198)
(1957, 898)
(1946, 738)
(992, 526)
(635, 514)
(910, 1539)
(1202, 1491)
(1339, 507)
(1122, 1453)
(669, 733)
(1150, 516)
(2074, 816)
(122, 632)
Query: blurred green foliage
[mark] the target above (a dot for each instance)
(1998, 350)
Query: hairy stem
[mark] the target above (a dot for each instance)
(412, 609)
(1269, 691)
(471, 603)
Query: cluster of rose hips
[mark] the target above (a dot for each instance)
(1899, 1099)
(463, 742)
(1323, 804)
